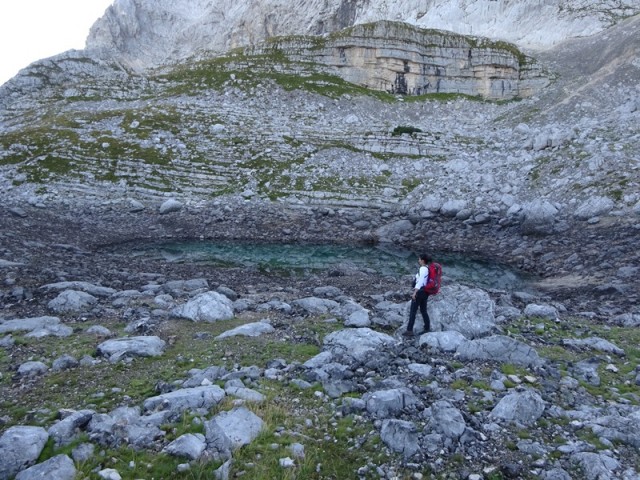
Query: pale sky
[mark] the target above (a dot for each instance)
(34, 29)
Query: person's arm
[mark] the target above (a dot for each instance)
(423, 275)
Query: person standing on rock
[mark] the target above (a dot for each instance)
(419, 296)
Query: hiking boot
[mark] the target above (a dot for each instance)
(408, 333)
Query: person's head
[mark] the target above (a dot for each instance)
(425, 258)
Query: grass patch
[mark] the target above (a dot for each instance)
(103, 386)
(334, 446)
(404, 129)
(616, 373)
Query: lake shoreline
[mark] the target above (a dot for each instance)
(578, 268)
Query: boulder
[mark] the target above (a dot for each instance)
(28, 324)
(400, 436)
(451, 208)
(442, 341)
(388, 403)
(32, 369)
(168, 206)
(357, 343)
(394, 230)
(359, 318)
(596, 466)
(206, 307)
(60, 467)
(190, 446)
(519, 407)
(240, 426)
(64, 431)
(142, 346)
(178, 401)
(447, 420)
(539, 217)
(20, 447)
(499, 348)
(594, 207)
(254, 329)
(315, 305)
(469, 311)
(548, 312)
(90, 288)
(71, 301)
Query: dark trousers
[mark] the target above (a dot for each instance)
(419, 303)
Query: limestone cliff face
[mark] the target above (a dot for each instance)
(147, 33)
(398, 58)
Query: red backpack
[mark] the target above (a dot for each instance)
(435, 278)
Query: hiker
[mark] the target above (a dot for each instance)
(419, 296)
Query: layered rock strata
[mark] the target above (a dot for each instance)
(398, 58)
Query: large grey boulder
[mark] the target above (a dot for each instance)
(356, 343)
(389, 314)
(90, 288)
(587, 370)
(389, 403)
(32, 369)
(60, 467)
(54, 330)
(125, 425)
(319, 360)
(400, 436)
(594, 207)
(190, 445)
(246, 394)
(64, 362)
(180, 287)
(539, 217)
(548, 312)
(431, 203)
(71, 301)
(519, 407)
(20, 447)
(451, 208)
(141, 346)
(240, 425)
(499, 348)
(447, 420)
(27, 324)
(596, 343)
(254, 329)
(618, 428)
(218, 443)
(178, 401)
(556, 474)
(315, 305)
(469, 311)
(394, 230)
(64, 431)
(596, 466)
(206, 307)
(442, 341)
(168, 206)
(201, 377)
(627, 320)
(358, 318)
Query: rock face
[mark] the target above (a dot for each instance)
(398, 58)
(147, 33)
(278, 128)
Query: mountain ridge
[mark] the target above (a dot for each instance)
(144, 34)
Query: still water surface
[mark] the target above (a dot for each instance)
(303, 259)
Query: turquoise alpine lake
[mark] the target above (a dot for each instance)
(300, 259)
